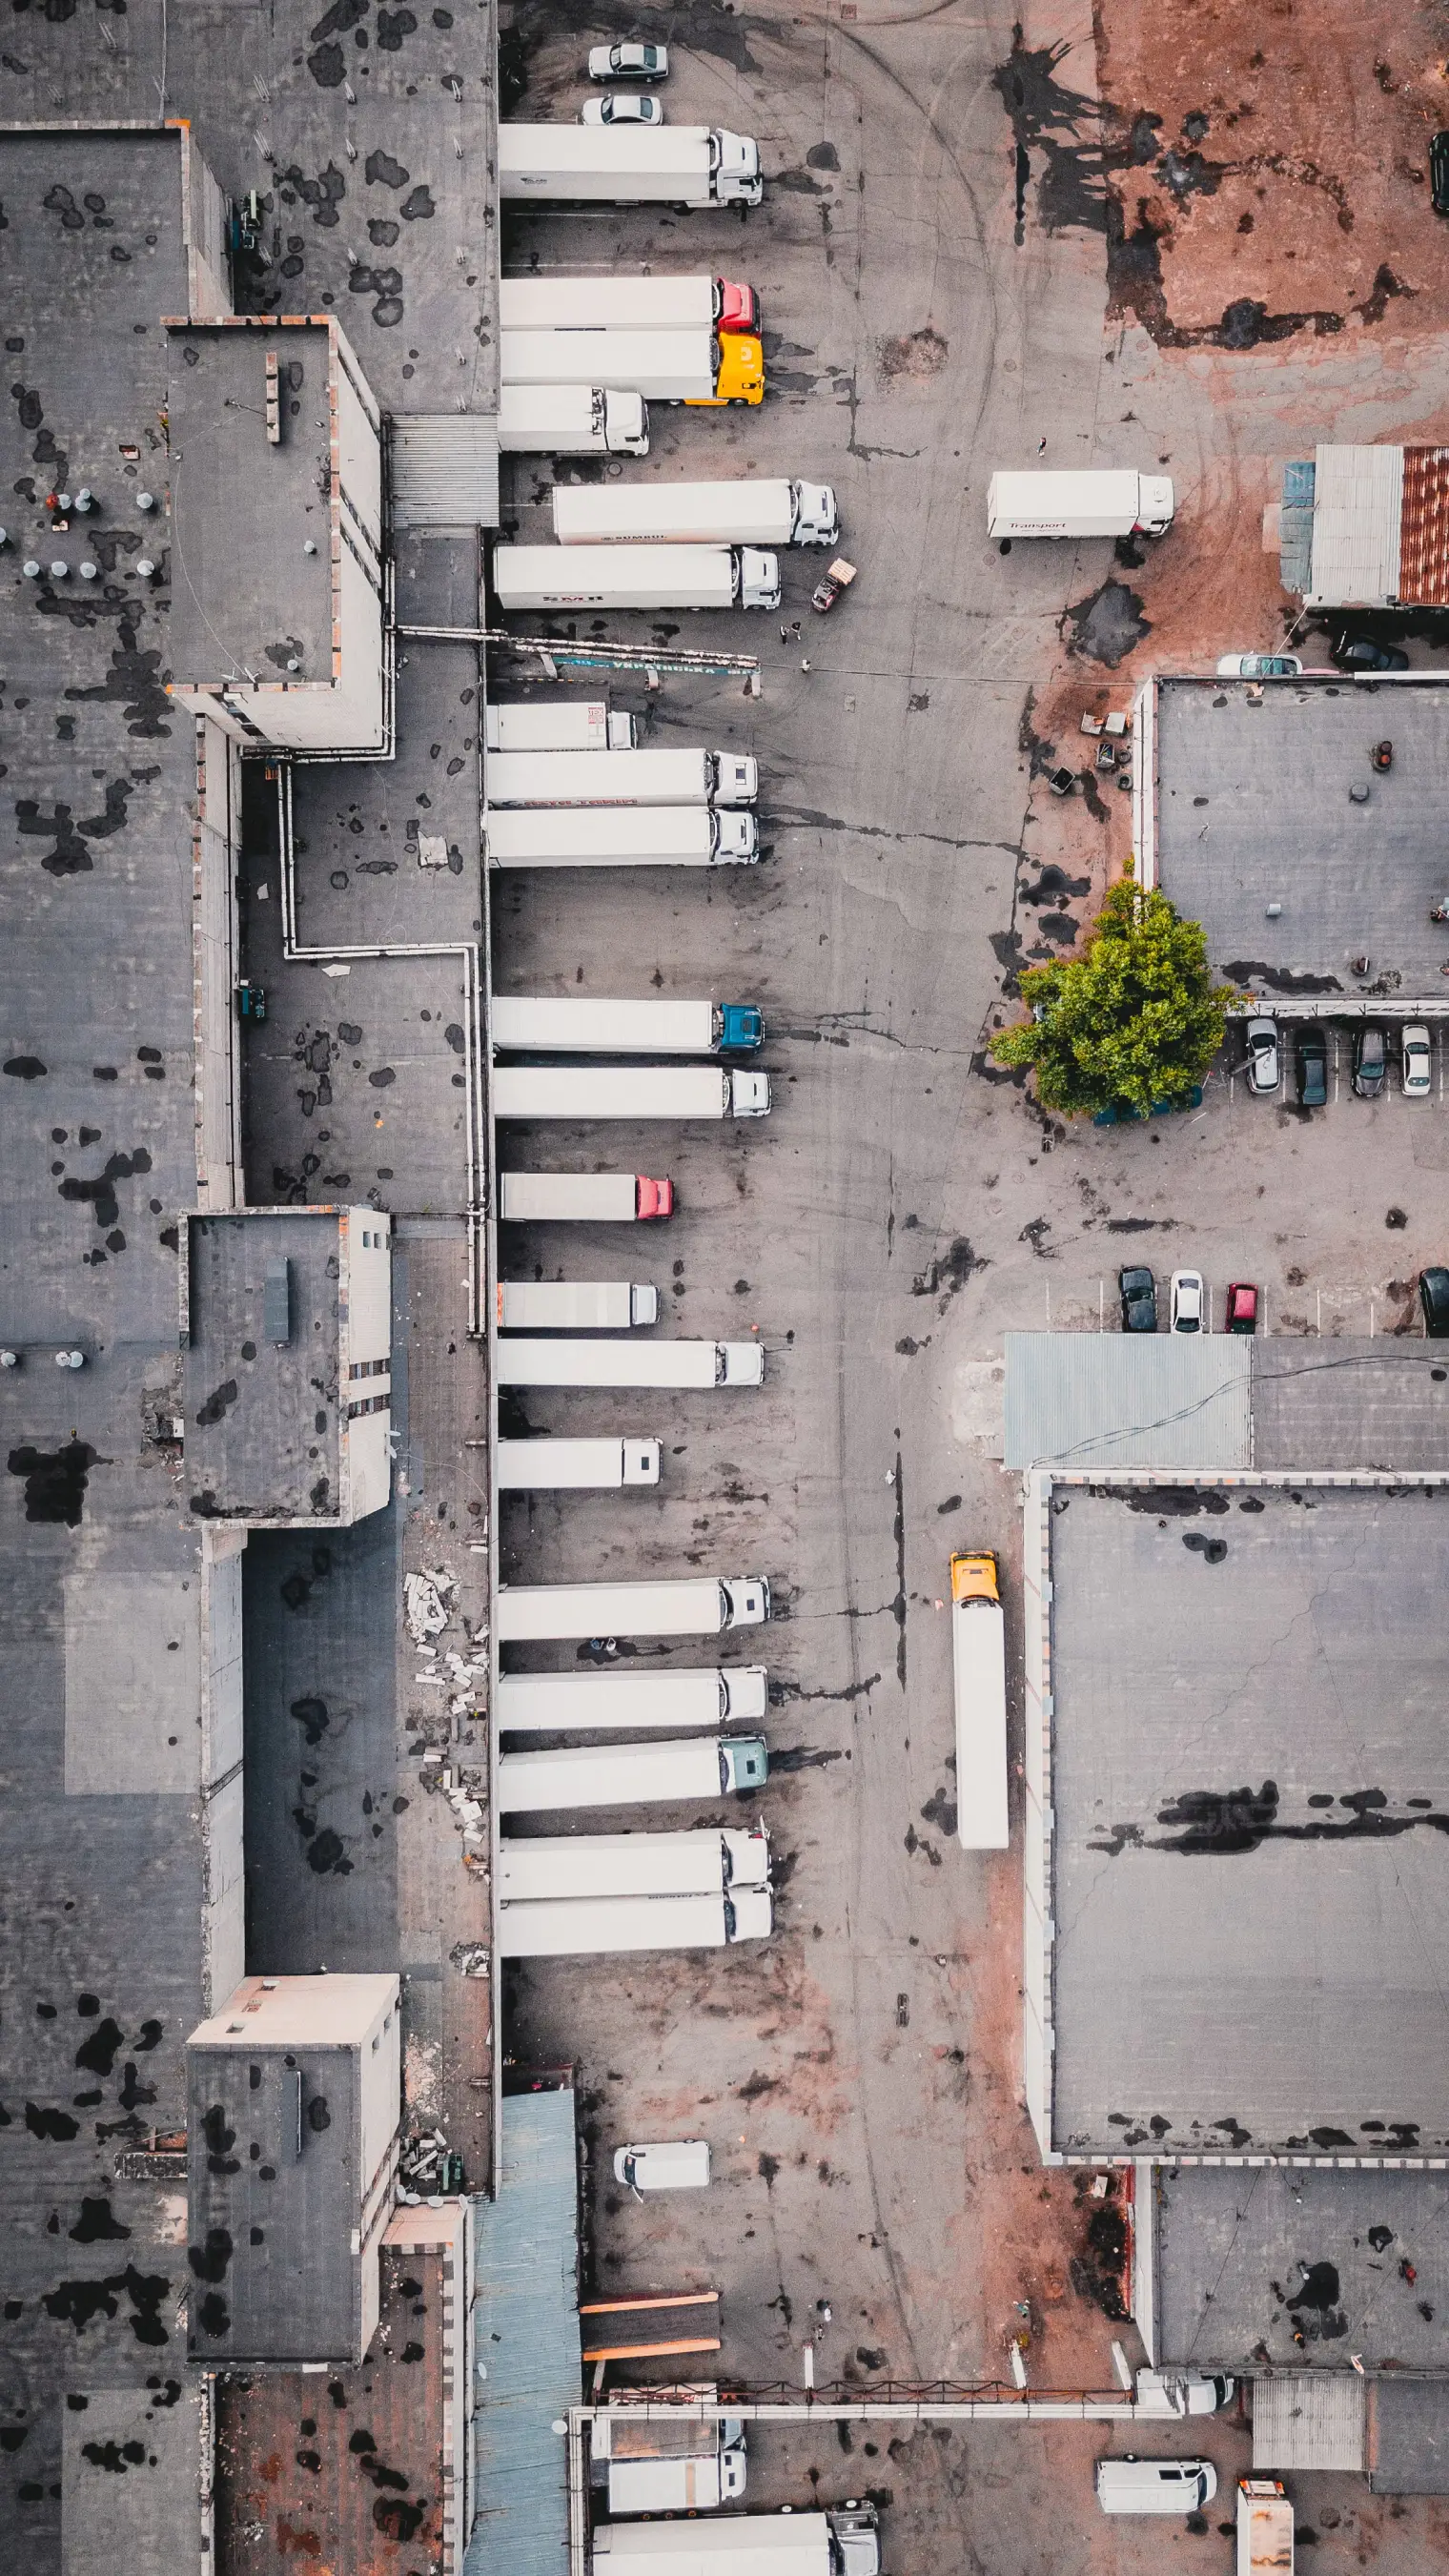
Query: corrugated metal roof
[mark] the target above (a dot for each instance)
(527, 2336)
(1124, 1400)
(445, 471)
(1424, 527)
(1358, 495)
(1309, 2420)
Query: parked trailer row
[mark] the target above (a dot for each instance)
(613, 1363)
(592, 1702)
(772, 512)
(564, 577)
(596, 1927)
(576, 1466)
(583, 1198)
(698, 1862)
(698, 303)
(674, 165)
(631, 778)
(566, 1025)
(621, 836)
(553, 723)
(698, 1605)
(572, 420)
(698, 367)
(629, 1775)
(538, 1091)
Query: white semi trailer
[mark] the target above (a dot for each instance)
(556, 724)
(616, 1363)
(661, 366)
(672, 165)
(654, 777)
(627, 1091)
(583, 1198)
(570, 1024)
(574, 1927)
(772, 512)
(576, 1466)
(575, 1305)
(978, 1644)
(1086, 501)
(691, 1605)
(572, 420)
(845, 2542)
(592, 1702)
(614, 303)
(572, 577)
(621, 836)
(629, 1775)
(693, 1863)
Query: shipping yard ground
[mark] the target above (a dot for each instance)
(905, 1206)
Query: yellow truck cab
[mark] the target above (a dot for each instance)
(739, 370)
(973, 1578)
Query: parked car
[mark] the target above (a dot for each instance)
(1122, 1114)
(1182, 2392)
(622, 107)
(1264, 1069)
(1312, 1069)
(1242, 1307)
(1260, 666)
(1131, 2485)
(1370, 1063)
(1434, 1298)
(1138, 1291)
(1362, 653)
(628, 61)
(1417, 1061)
(1187, 1301)
(1439, 173)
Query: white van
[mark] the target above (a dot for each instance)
(682, 2165)
(1155, 2486)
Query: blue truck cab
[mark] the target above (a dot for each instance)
(742, 1027)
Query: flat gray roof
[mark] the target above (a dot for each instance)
(1278, 2267)
(1277, 1400)
(262, 1422)
(1254, 808)
(1409, 2437)
(1250, 1785)
(248, 601)
(275, 2150)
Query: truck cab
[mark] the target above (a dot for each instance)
(739, 368)
(734, 162)
(745, 1762)
(817, 518)
(749, 1095)
(973, 1578)
(746, 1600)
(742, 1027)
(736, 308)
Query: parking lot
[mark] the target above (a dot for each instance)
(905, 1205)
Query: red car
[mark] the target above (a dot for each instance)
(1242, 1307)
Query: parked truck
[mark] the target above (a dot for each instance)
(564, 1927)
(630, 1775)
(571, 1025)
(557, 724)
(652, 2464)
(575, 1305)
(978, 1646)
(615, 1363)
(844, 2542)
(690, 1605)
(621, 836)
(704, 368)
(583, 1198)
(772, 512)
(632, 778)
(693, 1863)
(565, 1703)
(572, 420)
(671, 165)
(627, 304)
(1265, 2528)
(1086, 501)
(576, 1466)
(573, 577)
(589, 1091)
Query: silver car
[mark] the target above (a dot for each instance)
(1417, 1062)
(622, 107)
(628, 62)
(1264, 1066)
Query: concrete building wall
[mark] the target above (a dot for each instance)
(214, 932)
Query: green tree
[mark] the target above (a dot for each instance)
(1135, 1018)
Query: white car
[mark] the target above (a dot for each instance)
(1260, 666)
(1264, 1070)
(628, 62)
(622, 107)
(1187, 1302)
(1418, 1062)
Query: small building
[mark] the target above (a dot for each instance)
(294, 2101)
(278, 624)
(1366, 527)
(288, 1379)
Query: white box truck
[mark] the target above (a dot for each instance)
(1087, 501)
(654, 777)
(589, 1091)
(845, 2542)
(592, 1702)
(630, 1775)
(693, 1863)
(978, 1647)
(654, 2465)
(556, 724)
(614, 1363)
(564, 1927)
(1265, 2528)
(613, 303)
(671, 165)
(565, 577)
(621, 836)
(702, 367)
(690, 1605)
(583, 1198)
(575, 1305)
(576, 1466)
(772, 512)
(572, 420)
(570, 1025)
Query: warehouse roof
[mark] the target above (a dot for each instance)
(1278, 1400)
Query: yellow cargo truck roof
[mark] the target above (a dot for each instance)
(973, 1578)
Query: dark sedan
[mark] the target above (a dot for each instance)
(1138, 1292)
(1362, 653)
(1312, 1069)
(1434, 1298)
(1370, 1063)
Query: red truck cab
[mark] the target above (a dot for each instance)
(653, 1198)
(737, 308)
